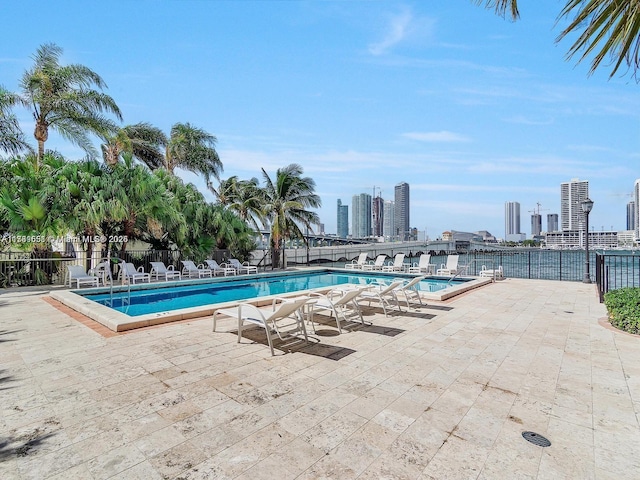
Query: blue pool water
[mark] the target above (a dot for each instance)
(163, 299)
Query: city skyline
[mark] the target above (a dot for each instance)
(361, 94)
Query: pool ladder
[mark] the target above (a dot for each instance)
(105, 267)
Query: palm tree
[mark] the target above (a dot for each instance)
(192, 149)
(286, 203)
(11, 136)
(605, 28)
(61, 97)
(143, 140)
(244, 197)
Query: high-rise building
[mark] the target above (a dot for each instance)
(343, 220)
(361, 216)
(511, 219)
(536, 224)
(631, 215)
(552, 222)
(402, 229)
(377, 213)
(572, 194)
(388, 219)
(636, 194)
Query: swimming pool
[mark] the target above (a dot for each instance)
(171, 301)
(174, 297)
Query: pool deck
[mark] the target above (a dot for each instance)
(440, 392)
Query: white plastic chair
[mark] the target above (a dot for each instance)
(423, 265)
(80, 277)
(451, 267)
(341, 303)
(358, 263)
(383, 294)
(410, 290)
(220, 269)
(191, 270)
(397, 265)
(268, 319)
(488, 272)
(376, 265)
(160, 270)
(242, 267)
(129, 274)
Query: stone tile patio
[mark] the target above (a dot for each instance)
(440, 392)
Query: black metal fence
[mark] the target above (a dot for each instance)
(616, 271)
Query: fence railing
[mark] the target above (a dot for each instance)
(616, 271)
(610, 272)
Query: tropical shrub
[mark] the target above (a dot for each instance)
(623, 306)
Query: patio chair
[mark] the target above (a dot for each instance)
(160, 271)
(191, 270)
(397, 265)
(80, 277)
(423, 265)
(358, 263)
(129, 273)
(451, 267)
(341, 303)
(383, 294)
(376, 265)
(268, 319)
(492, 273)
(223, 269)
(410, 290)
(242, 267)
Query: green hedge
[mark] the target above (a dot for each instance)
(623, 306)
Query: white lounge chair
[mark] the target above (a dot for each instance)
(397, 265)
(383, 294)
(268, 319)
(376, 265)
(492, 273)
(358, 263)
(423, 265)
(451, 267)
(341, 303)
(129, 273)
(242, 267)
(410, 290)
(160, 271)
(223, 269)
(80, 277)
(191, 270)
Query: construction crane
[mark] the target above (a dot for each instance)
(537, 210)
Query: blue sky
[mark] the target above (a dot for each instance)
(470, 109)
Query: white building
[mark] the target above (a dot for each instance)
(573, 239)
(572, 194)
(389, 220)
(512, 231)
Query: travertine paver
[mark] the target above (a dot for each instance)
(443, 391)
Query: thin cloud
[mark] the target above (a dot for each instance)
(396, 32)
(442, 136)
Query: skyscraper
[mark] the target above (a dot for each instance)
(536, 224)
(636, 193)
(361, 215)
(378, 216)
(388, 219)
(552, 222)
(572, 194)
(402, 229)
(511, 219)
(343, 220)
(631, 215)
